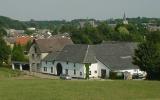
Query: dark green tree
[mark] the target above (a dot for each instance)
(3, 31)
(4, 51)
(147, 56)
(18, 53)
(87, 70)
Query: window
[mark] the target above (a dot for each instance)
(38, 64)
(53, 62)
(35, 49)
(74, 65)
(46, 62)
(66, 71)
(51, 69)
(74, 72)
(67, 62)
(95, 72)
(38, 56)
(32, 56)
(80, 73)
(45, 69)
(89, 72)
(33, 64)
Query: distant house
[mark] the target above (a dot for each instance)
(23, 40)
(103, 58)
(10, 41)
(42, 47)
(153, 28)
(15, 33)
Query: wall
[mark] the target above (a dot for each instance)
(43, 55)
(35, 61)
(102, 66)
(70, 66)
(93, 70)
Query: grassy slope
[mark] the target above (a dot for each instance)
(78, 90)
(6, 73)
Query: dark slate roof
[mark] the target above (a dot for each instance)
(115, 55)
(52, 44)
(90, 55)
(52, 56)
(77, 54)
(11, 40)
(73, 53)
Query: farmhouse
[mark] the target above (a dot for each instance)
(103, 58)
(42, 47)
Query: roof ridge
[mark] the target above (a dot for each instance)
(88, 46)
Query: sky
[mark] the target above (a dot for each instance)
(76, 9)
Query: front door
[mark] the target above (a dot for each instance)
(103, 73)
(59, 69)
(51, 69)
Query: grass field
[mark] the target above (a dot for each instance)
(43, 89)
(6, 72)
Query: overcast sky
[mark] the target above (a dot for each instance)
(74, 9)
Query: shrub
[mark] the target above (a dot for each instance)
(116, 75)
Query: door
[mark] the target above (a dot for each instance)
(59, 69)
(103, 73)
(51, 69)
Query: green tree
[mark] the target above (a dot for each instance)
(123, 30)
(2, 32)
(28, 32)
(4, 51)
(147, 56)
(87, 70)
(18, 53)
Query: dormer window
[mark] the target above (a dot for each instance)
(35, 49)
(53, 62)
(67, 62)
(32, 56)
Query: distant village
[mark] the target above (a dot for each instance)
(56, 54)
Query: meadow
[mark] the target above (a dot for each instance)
(46, 89)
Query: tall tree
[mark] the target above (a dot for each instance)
(4, 51)
(17, 53)
(147, 56)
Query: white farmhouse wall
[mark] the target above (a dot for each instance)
(70, 66)
(47, 65)
(93, 68)
(43, 55)
(102, 66)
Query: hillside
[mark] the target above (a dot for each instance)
(42, 89)
(8, 73)
(11, 23)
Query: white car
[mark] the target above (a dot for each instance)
(65, 77)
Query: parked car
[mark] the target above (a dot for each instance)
(65, 77)
(138, 76)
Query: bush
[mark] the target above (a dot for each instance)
(116, 75)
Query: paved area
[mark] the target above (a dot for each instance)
(40, 75)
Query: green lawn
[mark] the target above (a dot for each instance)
(44, 89)
(30, 88)
(6, 72)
